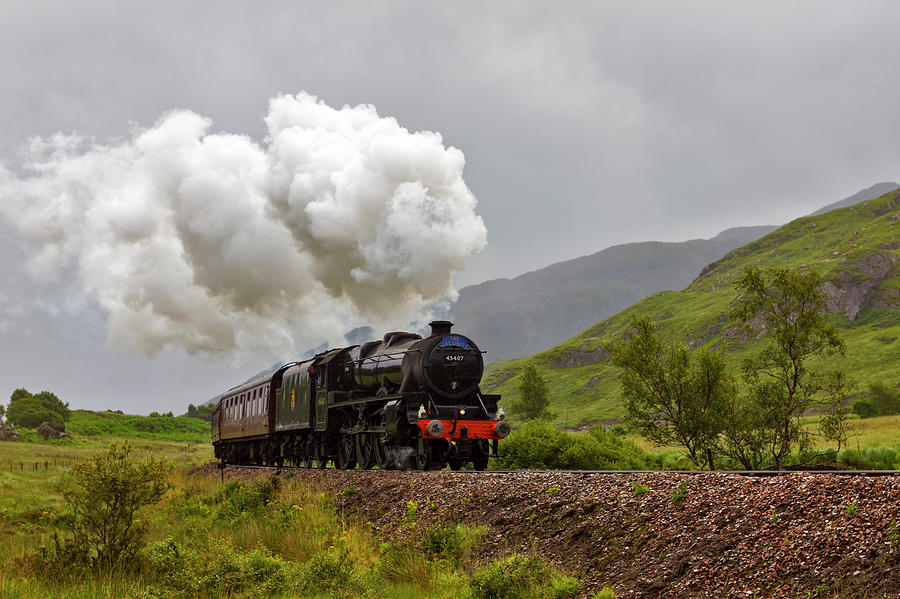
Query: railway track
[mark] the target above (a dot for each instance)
(750, 473)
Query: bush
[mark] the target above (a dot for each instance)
(223, 572)
(450, 542)
(539, 445)
(521, 577)
(885, 400)
(331, 573)
(864, 408)
(105, 495)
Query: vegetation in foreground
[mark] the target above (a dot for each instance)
(94, 536)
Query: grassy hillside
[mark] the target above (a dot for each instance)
(111, 424)
(855, 249)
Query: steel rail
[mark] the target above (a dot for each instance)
(749, 473)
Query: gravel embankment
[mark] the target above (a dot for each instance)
(798, 535)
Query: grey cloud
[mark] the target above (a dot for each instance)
(583, 125)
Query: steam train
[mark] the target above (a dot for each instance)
(402, 402)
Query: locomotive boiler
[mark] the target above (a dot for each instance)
(401, 402)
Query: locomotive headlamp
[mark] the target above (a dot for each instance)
(502, 429)
(501, 414)
(422, 412)
(435, 428)
(462, 412)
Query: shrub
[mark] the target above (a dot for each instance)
(521, 577)
(224, 571)
(864, 408)
(106, 494)
(450, 542)
(639, 488)
(331, 572)
(885, 400)
(539, 445)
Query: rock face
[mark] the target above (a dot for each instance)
(53, 431)
(8, 434)
(853, 292)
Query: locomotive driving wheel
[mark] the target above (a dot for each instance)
(307, 454)
(365, 450)
(346, 457)
(420, 459)
(381, 455)
(480, 455)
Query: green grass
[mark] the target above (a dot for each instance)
(111, 424)
(30, 473)
(268, 537)
(837, 244)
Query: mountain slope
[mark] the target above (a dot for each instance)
(519, 316)
(876, 191)
(855, 249)
(515, 317)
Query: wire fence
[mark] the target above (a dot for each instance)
(35, 466)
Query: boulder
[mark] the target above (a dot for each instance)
(53, 430)
(8, 434)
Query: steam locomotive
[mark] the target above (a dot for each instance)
(402, 402)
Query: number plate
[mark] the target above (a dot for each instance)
(455, 358)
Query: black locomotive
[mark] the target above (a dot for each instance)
(402, 402)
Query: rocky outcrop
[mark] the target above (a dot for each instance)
(570, 358)
(53, 430)
(7, 433)
(852, 292)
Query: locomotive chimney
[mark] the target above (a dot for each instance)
(440, 327)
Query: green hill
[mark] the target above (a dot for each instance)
(112, 424)
(855, 249)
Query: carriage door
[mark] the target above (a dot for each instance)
(321, 397)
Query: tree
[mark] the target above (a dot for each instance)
(2, 412)
(53, 403)
(744, 438)
(534, 396)
(106, 494)
(20, 393)
(203, 412)
(673, 395)
(31, 410)
(790, 306)
(835, 422)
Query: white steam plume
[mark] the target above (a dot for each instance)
(217, 243)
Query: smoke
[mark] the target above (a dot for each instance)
(216, 243)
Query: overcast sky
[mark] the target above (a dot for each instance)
(583, 125)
